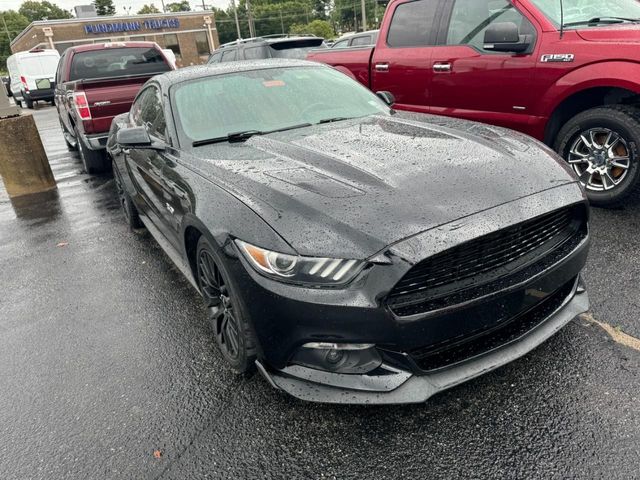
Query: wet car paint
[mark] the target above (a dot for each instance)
(105, 361)
(349, 190)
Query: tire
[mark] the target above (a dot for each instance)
(595, 138)
(72, 147)
(94, 161)
(29, 103)
(129, 209)
(226, 309)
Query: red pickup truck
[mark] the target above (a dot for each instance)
(566, 72)
(94, 83)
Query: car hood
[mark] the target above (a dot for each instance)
(351, 188)
(620, 33)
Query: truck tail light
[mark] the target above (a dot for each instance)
(82, 105)
(24, 84)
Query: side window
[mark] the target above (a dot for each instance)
(59, 70)
(136, 108)
(150, 109)
(229, 55)
(254, 53)
(215, 58)
(158, 125)
(412, 24)
(470, 19)
(359, 41)
(341, 44)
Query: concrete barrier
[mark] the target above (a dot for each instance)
(24, 166)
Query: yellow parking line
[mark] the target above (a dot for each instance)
(616, 334)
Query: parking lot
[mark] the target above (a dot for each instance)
(110, 369)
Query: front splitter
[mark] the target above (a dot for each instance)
(419, 388)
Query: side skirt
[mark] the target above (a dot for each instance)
(170, 250)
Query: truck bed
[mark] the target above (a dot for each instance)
(354, 61)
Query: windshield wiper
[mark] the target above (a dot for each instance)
(602, 20)
(230, 137)
(245, 135)
(335, 119)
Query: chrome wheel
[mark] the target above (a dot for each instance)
(220, 305)
(600, 157)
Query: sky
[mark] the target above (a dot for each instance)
(120, 4)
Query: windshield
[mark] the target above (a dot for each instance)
(582, 11)
(39, 65)
(117, 62)
(268, 100)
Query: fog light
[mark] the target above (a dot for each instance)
(349, 358)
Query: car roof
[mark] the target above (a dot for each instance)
(269, 40)
(33, 52)
(356, 34)
(209, 70)
(105, 45)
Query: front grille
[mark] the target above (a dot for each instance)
(491, 262)
(473, 344)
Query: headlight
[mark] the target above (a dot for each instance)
(297, 269)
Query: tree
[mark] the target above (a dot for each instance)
(151, 8)
(44, 10)
(319, 28)
(179, 6)
(16, 23)
(105, 7)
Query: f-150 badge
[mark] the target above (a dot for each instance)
(557, 57)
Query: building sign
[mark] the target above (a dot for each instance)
(132, 26)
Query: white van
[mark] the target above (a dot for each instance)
(32, 75)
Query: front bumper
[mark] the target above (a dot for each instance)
(397, 386)
(421, 354)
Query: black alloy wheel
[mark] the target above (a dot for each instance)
(128, 208)
(232, 332)
(601, 146)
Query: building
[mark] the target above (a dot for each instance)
(192, 36)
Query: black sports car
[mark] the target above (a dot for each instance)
(355, 254)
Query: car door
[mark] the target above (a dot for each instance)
(401, 62)
(474, 83)
(145, 164)
(176, 195)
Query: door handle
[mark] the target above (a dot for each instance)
(382, 67)
(441, 67)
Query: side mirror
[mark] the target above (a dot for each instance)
(137, 137)
(386, 97)
(505, 37)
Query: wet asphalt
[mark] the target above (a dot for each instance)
(108, 369)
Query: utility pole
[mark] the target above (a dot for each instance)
(364, 15)
(235, 14)
(6, 29)
(164, 9)
(252, 28)
(355, 19)
(281, 21)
